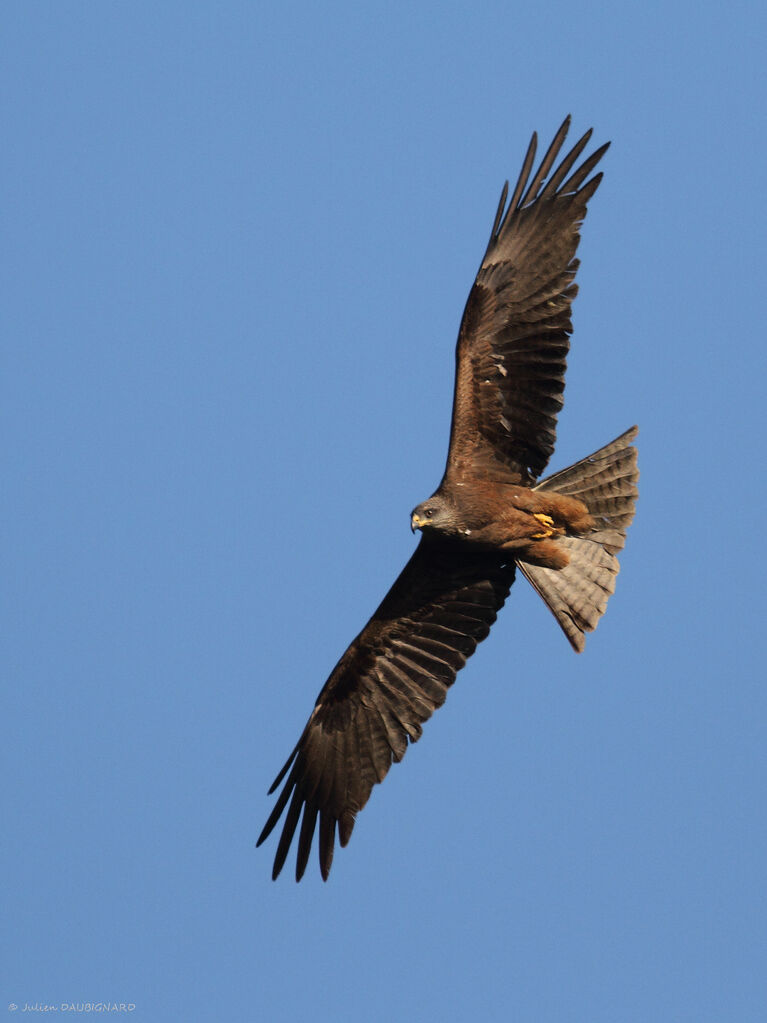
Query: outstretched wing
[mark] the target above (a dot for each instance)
(514, 337)
(394, 674)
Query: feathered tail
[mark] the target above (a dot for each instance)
(606, 482)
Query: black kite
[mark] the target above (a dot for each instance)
(488, 515)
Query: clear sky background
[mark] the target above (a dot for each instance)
(237, 240)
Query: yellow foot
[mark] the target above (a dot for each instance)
(545, 520)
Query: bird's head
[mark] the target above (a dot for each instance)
(432, 514)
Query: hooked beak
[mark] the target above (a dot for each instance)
(415, 522)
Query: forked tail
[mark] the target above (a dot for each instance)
(606, 482)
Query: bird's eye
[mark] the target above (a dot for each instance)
(429, 513)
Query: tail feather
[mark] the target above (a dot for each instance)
(606, 481)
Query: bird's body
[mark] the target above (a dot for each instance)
(507, 517)
(490, 515)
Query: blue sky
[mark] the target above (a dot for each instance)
(237, 241)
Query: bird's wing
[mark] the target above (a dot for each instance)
(394, 674)
(514, 337)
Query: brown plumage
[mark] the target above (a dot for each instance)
(487, 516)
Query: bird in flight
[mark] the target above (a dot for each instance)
(490, 515)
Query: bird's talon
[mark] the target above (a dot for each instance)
(545, 520)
